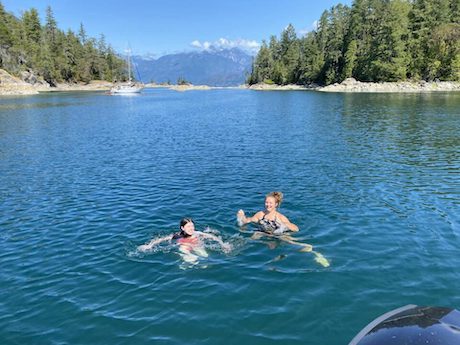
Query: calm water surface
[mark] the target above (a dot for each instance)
(372, 180)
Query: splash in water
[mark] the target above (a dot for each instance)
(191, 248)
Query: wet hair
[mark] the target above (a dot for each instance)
(278, 196)
(185, 221)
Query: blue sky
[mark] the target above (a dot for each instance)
(159, 27)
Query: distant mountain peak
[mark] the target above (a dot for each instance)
(214, 67)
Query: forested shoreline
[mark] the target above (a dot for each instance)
(372, 41)
(28, 47)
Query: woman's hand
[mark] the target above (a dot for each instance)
(241, 218)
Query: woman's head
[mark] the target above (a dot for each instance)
(273, 200)
(187, 225)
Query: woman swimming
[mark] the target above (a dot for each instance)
(189, 240)
(274, 224)
(270, 220)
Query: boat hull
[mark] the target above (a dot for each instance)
(126, 90)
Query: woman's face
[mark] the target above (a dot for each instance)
(270, 203)
(189, 228)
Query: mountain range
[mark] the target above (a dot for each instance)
(213, 67)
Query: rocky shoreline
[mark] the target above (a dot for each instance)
(352, 85)
(185, 87)
(30, 85)
(10, 85)
(190, 87)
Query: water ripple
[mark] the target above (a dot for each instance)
(371, 180)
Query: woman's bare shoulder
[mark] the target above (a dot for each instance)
(282, 217)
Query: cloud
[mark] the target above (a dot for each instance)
(196, 44)
(303, 32)
(250, 46)
(313, 27)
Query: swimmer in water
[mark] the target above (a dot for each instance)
(274, 224)
(271, 222)
(189, 240)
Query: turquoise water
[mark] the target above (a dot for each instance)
(372, 180)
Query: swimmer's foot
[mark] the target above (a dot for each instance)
(306, 248)
(319, 258)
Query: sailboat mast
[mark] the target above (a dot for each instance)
(129, 65)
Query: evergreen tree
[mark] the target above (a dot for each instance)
(311, 59)
(424, 16)
(275, 48)
(82, 34)
(70, 48)
(5, 33)
(51, 30)
(360, 30)
(456, 68)
(45, 64)
(31, 37)
(279, 73)
(455, 11)
(53, 54)
(334, 50)
(50, 50)
(443, 52)
(374, 40)
(349, 59)
(262, 65)
(290, 54)
(390, 60)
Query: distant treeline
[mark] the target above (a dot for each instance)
(373, 40)
(27, 45)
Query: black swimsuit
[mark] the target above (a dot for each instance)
(269, 226)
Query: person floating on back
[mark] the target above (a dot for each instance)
(189, 240)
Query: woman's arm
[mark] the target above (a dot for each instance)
(287, 223)
(242, 219)
(149, 245)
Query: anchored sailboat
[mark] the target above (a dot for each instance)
(130, 86)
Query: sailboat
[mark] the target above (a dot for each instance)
(130, 86)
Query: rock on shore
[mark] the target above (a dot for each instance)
(10, 85)
(93, 85)
(352, 85)
(31, 85)
(188, 87)
(275, 87)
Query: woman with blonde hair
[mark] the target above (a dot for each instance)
(270, 220)
(274, 224)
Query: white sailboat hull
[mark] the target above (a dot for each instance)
(126, 89)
